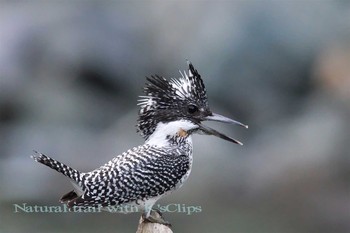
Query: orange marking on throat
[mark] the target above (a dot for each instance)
(182, 133)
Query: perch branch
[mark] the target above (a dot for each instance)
(148, 227)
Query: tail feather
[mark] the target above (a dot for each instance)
(71, 173)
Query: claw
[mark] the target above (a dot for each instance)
(156, 217)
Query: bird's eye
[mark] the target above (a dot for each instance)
(192, 108)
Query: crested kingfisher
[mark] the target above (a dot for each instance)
(170, 112)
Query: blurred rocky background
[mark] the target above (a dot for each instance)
(70, 74)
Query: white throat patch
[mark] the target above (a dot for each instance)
(163, 130)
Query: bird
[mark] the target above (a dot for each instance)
(170, 112)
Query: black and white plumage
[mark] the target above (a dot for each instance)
(169, 113)
(166, 101)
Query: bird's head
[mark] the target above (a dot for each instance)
(181, 103)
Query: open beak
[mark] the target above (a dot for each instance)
(217, 117)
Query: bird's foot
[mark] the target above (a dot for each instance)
(156, 217)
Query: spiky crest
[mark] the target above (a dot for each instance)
(166, 101)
